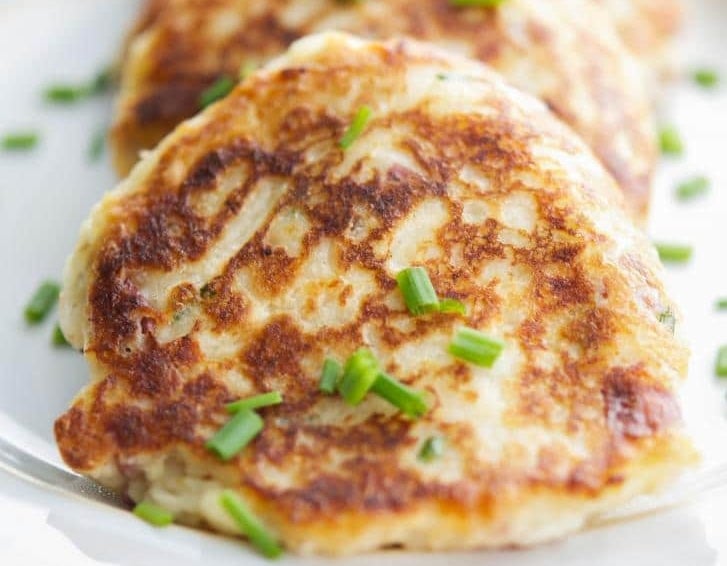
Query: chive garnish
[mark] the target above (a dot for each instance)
(66, 94)
(235, 435)
(219, 89)
(668, 319)
(330, 375)
(20, 141)
(359, 375)
(404, 398)
(670, 141)
(419, 294)
(691, 188)
(476, 347)
(96, 147)
(355, 128)
(42, 301)
(255, 402)
(432, 449)
(101, 82)
(478, 3)
(721, 304)
(706, 78)
(153, 514)
(250, 525)
(452, 306)
(721, 365)
(58, 339)
(674, 253)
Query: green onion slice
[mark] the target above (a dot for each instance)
(58, 338)
(250, 525)
(721, 365)
(42, 302)
(359, 375)
(236, 434)
(419, 294)
(20, 141)
(96, 146)
(674, 253)
(706, 78)
(670, 141)
(668, 319)
(452, 306)
(721, 304)
(404, 398)
(432, 449)
(153, 514)
(356, 127)
(330, 375)
(66, 94)
(219, 89)
(692, 188)
(475, 347)
(255, 402)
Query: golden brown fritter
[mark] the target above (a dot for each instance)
(249, 246)
(564, 51)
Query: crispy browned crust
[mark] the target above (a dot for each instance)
(590, 309)
(565, 52)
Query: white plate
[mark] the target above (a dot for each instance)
(45, 194)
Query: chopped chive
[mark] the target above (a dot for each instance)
(153, 514)
(235, 435)
(250, 525)
(452, 306)
(721, 366)
(96, 146)
(404, 398)
(670, 141)
(42, 302)
(20, 141)
(674, 253)
(101, 82)
(359, 375)
(356, 127)
(247, 69)
(432, 449)
(721, 304)
(668, 319)
(419, 294)
(442, 76)
(255, 402)
(219, 89)
(706, 78)
(330, 375)
(478, 3)
(692, 188)
(58, 338)
(476, 347)
(66, 94)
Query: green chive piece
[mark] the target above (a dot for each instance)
(706, 78)
(452, 306)
(153, 514)
(219, 89)
(668, 319)
(404, 398)
(255, 402)
(478, 3)
(235, 435)
(355, 128)
(692, 188)
(674, 253)
(20, 141)
(247, 69)
(721, 366)
(721, 304)
(101, 82)
(476, 347)
(250, 525)
(66, 94)
(670, 141)
(419, 294)
(432, 449)
(96, 147)
(58, 339)
(359, 375)
(330, 375)
(42, 302)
